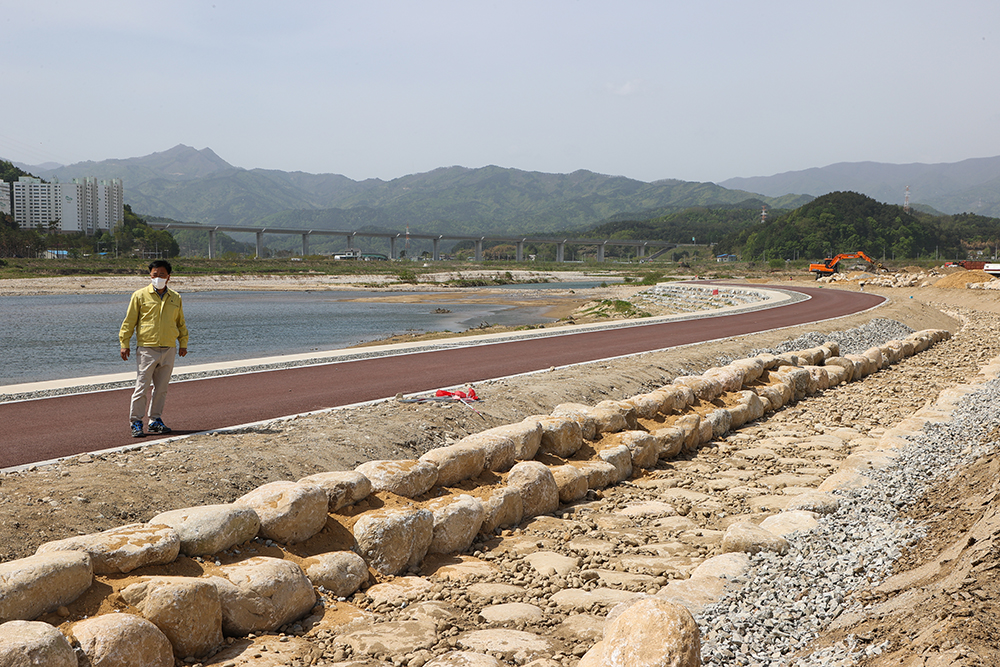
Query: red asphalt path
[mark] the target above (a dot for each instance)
(49, 428)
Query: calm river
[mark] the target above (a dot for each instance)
(66, 336)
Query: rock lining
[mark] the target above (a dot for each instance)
(693, 434)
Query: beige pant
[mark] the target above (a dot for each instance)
(155, 364)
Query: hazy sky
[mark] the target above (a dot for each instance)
(695, 90)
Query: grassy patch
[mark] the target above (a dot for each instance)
(617, 308)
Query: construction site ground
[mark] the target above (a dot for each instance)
(949, 617)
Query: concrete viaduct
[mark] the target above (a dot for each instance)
(560, 242)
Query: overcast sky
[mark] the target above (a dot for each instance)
(693, 90)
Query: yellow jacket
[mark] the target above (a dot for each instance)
(156, 322)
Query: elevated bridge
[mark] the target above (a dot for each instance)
(392, 237)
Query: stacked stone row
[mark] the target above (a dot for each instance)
(902, 279)
(536, 460)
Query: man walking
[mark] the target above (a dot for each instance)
(156, 317)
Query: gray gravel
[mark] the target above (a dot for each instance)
(760, 625)
(852, 341)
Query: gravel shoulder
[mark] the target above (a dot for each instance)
(88, 494)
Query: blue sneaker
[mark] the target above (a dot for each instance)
(137, 429)
(157, 426)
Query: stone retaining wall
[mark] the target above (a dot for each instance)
(692, 298)
(395, 514)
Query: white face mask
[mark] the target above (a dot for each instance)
(159, 283)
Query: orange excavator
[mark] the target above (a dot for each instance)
(829, 265)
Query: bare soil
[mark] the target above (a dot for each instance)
(942, 609)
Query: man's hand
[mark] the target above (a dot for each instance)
(182, 351)
(125, 353)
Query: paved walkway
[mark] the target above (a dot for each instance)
(47, 428)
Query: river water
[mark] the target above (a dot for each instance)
(52, 337)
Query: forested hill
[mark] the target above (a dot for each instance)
(698, 224)
(847, 222)
(10, 173)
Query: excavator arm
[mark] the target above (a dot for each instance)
(829, 265)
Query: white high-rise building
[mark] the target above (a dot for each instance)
(5, 205)
(85, 205)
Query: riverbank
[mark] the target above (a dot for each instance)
(263, 282)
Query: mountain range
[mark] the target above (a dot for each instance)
(969, 186)
(187, 184)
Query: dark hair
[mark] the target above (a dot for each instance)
(160, 262)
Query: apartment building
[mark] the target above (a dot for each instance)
(5, 204)
(85, 205)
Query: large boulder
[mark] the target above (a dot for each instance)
(599, 473)
(262, 594)
(343, 487)
(620, 457)
(289, 512)
(614, 416)
(847, 365)
(874, 355)
(392, 541)
(582, 415)
(209, 529)
(670, 441)
(457, 520)
(773, 396)
(755, 405)
(123, 549)
(537, 486)
(121, 640)
(704, 388)
(721, 420)
(650, 632)
(405, 478)
(458, 462)
(507, 444)
(642, 446)
(749, 538)
(690, 425)
(501, 509)
(730, 377)
(798, 379)
(340, 572)
(32, 586)
(185, 609)
(561, 436)
(28, 643)
(571, 482)
(647, 406)
(820, 377)
(751, 368)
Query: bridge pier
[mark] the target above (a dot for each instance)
(600, 252)
(211, 244)
(561, 251)
(479, 250)
(520, 251)
(640, 251)
(305, 244)
(392, 247)
(260, 243)
(437, 253)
